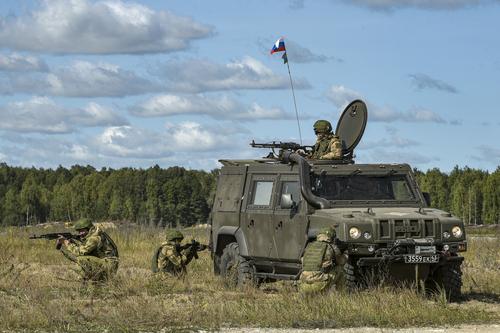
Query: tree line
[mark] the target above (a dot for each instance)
(472, 195)
(179, 197)
(155, 196)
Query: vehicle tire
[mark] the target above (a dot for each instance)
(447, 278)
(236, 270)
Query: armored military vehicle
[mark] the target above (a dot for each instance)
(267, 210)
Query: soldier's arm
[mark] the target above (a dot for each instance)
(85, 248)
(335, 149)
(163, 258)
(328, 259)
(69, 255)
(188, 255)
(175, 258)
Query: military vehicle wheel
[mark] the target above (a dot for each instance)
(447, 278)
(236, 270)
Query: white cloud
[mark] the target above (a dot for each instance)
(42, 115)
(202, 75)
(43, 151)
(21, 63)
(99, 27)
(132, 142)
(420, 4)
(341, 96)
(222, 107)
(80, 79)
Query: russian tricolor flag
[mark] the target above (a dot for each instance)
(279, 46)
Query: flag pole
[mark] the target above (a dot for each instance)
(293, 94)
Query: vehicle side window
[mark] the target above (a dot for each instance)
(262, 191)
(291, 188)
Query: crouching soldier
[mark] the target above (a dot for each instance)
(322, 264)
(95, 252)
(172, 257)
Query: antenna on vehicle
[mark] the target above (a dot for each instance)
(279, 46)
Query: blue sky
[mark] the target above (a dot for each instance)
(134, 84)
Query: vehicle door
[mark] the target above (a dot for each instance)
(289, 224)
(256, 222)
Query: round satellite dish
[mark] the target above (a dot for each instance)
(351, 125)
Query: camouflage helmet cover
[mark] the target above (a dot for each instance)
(83, 224)
(322, 126)
(171, 235)
(326, 234)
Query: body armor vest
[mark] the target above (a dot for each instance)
(321, 147)
(313, 256)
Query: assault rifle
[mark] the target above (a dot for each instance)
(193, 246)
(55, 235)
(282, 146)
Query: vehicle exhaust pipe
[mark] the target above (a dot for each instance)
(305, 179)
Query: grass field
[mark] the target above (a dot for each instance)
(40, 291)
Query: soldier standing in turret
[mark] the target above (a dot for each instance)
(328, 145)
(322, 264)
(95, 252)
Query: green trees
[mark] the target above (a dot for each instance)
(473, 195)
(155, 196)
(179, 197)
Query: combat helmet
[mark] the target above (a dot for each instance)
(322, 126)
(171, 235)
(83, 223)
(326, 234)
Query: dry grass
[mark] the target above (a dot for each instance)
(39, 291)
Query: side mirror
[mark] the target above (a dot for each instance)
(287, 201)
(427, 198)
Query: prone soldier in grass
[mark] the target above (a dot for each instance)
(94, 251)
(322, 264)
(172, 257)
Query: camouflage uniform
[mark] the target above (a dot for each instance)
(322, 264)
(328, 146)
(170, 258)
(96, 253)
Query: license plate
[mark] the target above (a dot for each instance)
(418, 259)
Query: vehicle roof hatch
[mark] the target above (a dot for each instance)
(351, 125)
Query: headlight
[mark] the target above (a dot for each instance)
(446, 234)
(367, 235)
(354, 233)
(456, 231)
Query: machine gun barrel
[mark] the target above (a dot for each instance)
(281, 145)
(56, 235)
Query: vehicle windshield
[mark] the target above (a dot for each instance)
(362, 187)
